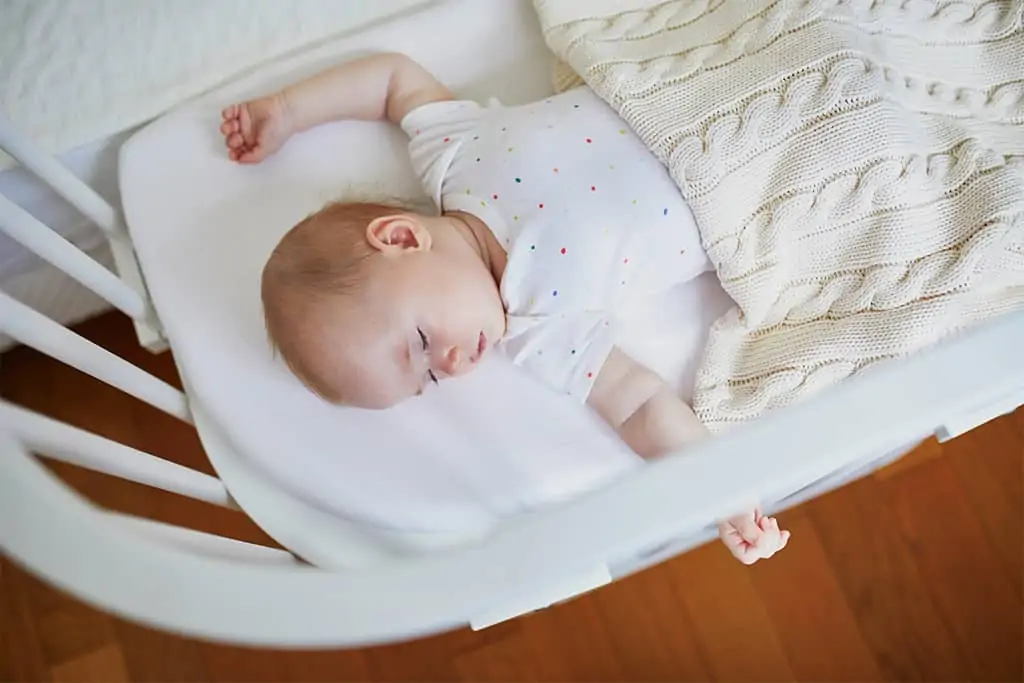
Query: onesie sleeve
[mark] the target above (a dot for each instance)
(436, 132)
(565, 351)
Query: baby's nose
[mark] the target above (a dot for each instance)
(454, 361)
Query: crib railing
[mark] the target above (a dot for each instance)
(207, 586)
(126, 292)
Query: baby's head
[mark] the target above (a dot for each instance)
(368, 304)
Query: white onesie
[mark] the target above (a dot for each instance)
(590, 220)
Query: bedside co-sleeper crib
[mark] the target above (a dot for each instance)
(469, 506)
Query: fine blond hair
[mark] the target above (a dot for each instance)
(323, 257)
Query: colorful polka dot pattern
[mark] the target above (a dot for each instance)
(540, 205)
(578, 178)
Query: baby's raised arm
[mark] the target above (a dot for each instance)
(653, 421)
(382, 86)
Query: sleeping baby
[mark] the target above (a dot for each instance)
(552, 217)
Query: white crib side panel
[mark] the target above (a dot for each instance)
(64, 182)
(36, 330)
(25, 229)
(57, 440)
(126, 292)
(201, 542)
(528, 556)
(53, 293)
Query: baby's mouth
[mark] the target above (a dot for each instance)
(481, 345)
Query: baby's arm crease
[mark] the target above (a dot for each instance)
(642, 408)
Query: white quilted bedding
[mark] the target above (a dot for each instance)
(75, 72)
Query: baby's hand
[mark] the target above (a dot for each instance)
(752, 537)
(254, 130)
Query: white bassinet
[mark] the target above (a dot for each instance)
(462, 507)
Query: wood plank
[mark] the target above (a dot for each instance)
(155, 656)
(105, 665)
(62, 627)
(951, 550)
(989, 462)
(895, 613)
(566, 642)
(228, 663)
(501, 662)
(925, 452)
(21, 654)
(73, 632)
(649, 628)
(43, 599)
(433, 658)
(736, 637)
(1017, 418)
(328, 665)
(804, 601)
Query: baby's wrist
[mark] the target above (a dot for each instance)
(285, 112)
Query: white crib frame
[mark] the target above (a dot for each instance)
(222, 589)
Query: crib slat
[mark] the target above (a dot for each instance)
(64, 182)
(202, 542)
(36, 236)
(34, 329)
(57, 440)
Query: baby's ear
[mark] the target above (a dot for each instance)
(398, 233)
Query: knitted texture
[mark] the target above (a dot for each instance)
(856, 168)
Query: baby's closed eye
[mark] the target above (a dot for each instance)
(426, 348)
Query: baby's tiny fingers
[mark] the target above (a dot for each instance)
(746, 527)
(737, 547)
(229, 112)
(251, 156)
(747, 555)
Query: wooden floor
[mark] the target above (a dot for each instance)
(914, 573)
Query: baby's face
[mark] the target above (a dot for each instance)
(420, 319)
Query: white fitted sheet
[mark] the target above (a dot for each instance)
(489, 445)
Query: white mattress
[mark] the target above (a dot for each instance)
(491, 444)
(72, 73)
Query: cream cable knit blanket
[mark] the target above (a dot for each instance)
(856, 168)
